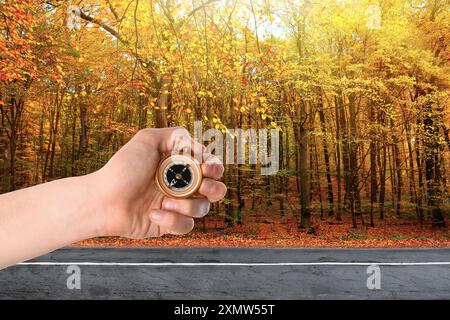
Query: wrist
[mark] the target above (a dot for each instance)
(93, 214)
(107, 210)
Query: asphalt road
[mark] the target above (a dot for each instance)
(231, 273)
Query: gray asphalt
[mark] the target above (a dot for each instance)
(313, 280)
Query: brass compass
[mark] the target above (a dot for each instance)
(179, 176)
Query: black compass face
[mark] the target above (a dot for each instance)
(178, 176)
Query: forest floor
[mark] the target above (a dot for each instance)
(272, 230)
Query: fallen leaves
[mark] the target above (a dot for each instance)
(284, 233)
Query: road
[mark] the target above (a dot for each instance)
(231, 273)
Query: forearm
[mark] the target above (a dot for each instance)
(121, 199)
(42, 218)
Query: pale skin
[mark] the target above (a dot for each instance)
(121, 199)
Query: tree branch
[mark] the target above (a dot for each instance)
(114, 12)
(103, 25)
(190, 14)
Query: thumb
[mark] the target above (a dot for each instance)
(178, 140)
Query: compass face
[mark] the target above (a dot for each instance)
(179, 176)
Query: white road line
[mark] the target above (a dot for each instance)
(238, 264)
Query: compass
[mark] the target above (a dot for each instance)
(179, 176)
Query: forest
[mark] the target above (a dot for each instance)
(358, 91)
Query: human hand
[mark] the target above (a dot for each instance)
(134, 207)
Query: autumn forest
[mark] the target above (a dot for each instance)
(358, 91)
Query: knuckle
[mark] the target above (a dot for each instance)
(143, 132)
(181, 133)
(213, 160)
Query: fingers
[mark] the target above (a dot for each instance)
(176, 216)
(172, 222)
(213, 190)
(194, 207)
(179, 140)
(212, 167)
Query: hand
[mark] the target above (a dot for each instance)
(134, 206)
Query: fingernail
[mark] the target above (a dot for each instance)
(204, 209)
(156, 215)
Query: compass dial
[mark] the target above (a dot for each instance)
(179, 176)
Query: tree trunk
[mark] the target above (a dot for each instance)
(345, 146)
(433, 163)
(373, 167)
(326, 157)
(55, 128)
(353, 162)
(397, 167)
(382, 162)
(165, 87)
(338, 162)
(305, 211)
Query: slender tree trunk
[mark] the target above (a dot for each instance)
(397, 167)
(280, 187)
(74, 143)
(338, 162)
(412, 179)
(142, 112)
(305, 221)
(392, 175)
(326, 157)
(54, 129)
(84, 128)
(373, 167)
(12, 161)
(421, 191)
(382, 163)
(39, 149)
(164, 87)
(345, 146)
(433, 155)
(317, 178)
(239, 184)
(230, 217)
(14, 121)
(353, 162)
